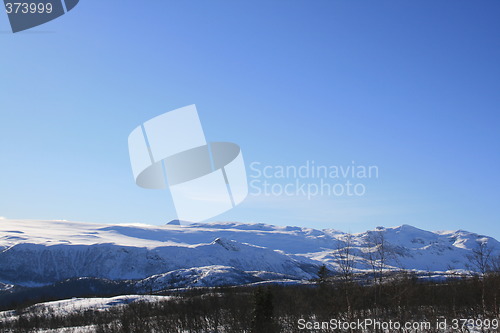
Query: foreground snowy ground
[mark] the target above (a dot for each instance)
(79, 305)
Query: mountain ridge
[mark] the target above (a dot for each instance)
(41, 252)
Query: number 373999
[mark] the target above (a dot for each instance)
(28, 8)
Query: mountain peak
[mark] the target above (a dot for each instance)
(174, 222)
(226, 243)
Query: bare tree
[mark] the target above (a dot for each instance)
(481, 258)
(378, 254)
(495, 264)
(481, 261)
(345, 261)
(345, 258)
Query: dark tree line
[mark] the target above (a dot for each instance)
(278, 308)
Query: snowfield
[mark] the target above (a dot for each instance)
(78, 305)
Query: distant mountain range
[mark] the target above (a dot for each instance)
(144, 258)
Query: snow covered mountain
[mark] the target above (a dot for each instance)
(34, 253)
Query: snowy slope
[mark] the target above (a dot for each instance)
(78, 305)
(208, 276)
(50, 251)
(26, 263)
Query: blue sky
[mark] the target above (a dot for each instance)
(409, 86)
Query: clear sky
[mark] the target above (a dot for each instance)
(412, 87)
